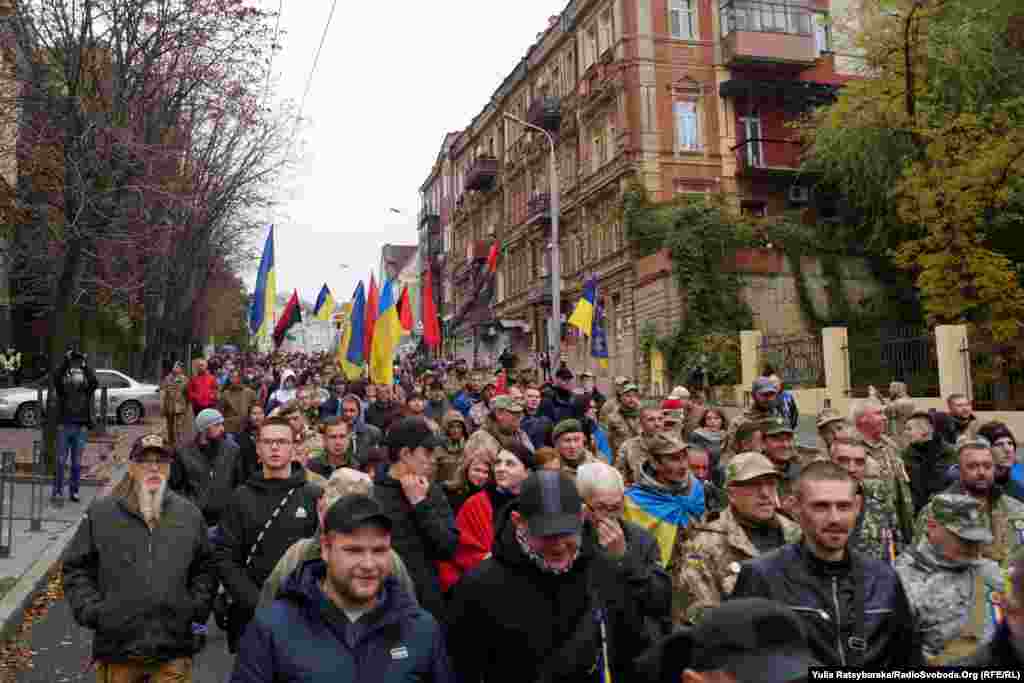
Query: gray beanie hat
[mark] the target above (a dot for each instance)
(206, 418)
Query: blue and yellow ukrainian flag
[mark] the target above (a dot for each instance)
(325, 305)
(386, 334)
(355, 354)
(261, 312)
(664, 514)
(582, 316)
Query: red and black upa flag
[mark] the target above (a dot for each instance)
(292, 315)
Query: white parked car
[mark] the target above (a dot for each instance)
(125, 399)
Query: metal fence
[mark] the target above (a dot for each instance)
(997, 375)
(896, 354)
(797, 359)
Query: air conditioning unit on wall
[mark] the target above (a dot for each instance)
(798, 194)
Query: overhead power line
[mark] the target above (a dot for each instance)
(316, 60)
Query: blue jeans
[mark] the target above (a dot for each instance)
(70, 439)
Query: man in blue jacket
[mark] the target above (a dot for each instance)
(344, 618)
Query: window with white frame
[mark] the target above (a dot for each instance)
(688, 129)
(822, 33)
(682, 16)
(753, 151)
(604, 28)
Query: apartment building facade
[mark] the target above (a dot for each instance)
(685, 97)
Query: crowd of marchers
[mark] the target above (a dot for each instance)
(480, 527)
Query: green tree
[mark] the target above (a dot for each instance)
(928, 151)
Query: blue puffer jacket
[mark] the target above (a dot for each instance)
(303, 637)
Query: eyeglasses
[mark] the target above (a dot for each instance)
(279, 443)
(153, 459)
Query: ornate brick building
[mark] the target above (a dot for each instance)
(682, 96)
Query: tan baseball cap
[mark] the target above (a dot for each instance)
(748, 466)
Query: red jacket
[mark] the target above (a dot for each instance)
(475, 522)
(202, 391)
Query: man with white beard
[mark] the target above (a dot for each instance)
(140, 573)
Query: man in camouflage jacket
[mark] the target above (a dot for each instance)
(949, 585)
(748, 528)
(635, 451)
(624, 424)
(877, 533)
(884, 461)
(764, 406)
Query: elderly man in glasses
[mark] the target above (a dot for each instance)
(140, 574)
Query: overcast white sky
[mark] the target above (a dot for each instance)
(393, 78)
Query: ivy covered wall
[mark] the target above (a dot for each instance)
(734, 273)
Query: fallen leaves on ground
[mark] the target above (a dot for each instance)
(15, 655)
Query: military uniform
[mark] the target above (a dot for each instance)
(952, 600)
(1006, 516)
(711, 564)
(752, 414)
(174, 406)
(877, 533)
(621, 429)
(885, 463)
(611, 406)
(712, 557)
(631, 456)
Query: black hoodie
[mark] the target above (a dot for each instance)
(541, 626)
(245, 516)
(927, 464)
(422, 535)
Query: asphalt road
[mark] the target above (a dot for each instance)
(62, 651)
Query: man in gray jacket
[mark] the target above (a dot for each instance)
(204, 471)
(139, 573)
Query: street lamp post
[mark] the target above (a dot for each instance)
(555, 335)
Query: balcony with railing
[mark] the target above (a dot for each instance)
(482, 174)
(767, 157)
(430, 218)
(538, 209)
(540, 291)
(545, 112)
(755, 31)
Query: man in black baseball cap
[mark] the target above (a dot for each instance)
(325, 624)
(424, 526)
(553, 605)
(743, 641)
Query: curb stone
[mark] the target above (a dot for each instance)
(21, 595)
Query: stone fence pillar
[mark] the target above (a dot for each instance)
(837, 365)
(954, 361)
